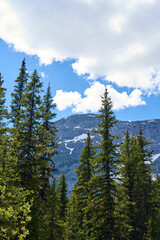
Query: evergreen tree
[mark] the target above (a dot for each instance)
(38, 142)
(30, 131)
(47, 163)
(46, 207)
(62, 191)
(14, 208)
(83, 187)
(137, 185)
(126, 188)
(18, 92)
(155, 220)
(143, 189)
(72, 217)
(103, 204)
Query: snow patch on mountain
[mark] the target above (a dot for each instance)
(76, 127)
(71, 149)
(78, 138)
(155, 156)
(89, 129)
(81, 138)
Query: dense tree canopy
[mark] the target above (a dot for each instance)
(115, 197)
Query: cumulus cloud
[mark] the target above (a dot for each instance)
(124, 100)
(65, 100)
(92, 100)
(118, 40)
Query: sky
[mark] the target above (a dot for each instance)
(82, 46)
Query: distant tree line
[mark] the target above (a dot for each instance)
(115, 197)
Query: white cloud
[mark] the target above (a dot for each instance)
(117, 23)
(43, 75)
(66, 99)
(123, 100)
(92, 100)
(116, 39)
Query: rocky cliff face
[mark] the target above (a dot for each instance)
(73, 132)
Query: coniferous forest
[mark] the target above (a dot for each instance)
(116, 196)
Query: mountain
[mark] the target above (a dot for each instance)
(72, 133)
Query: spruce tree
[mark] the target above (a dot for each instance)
(38, 143)
(47, 163)
(30, 132)
(72, 232)
(103, 203)
(14, 208)
(136, 182)
(18, 92)
(126, 188)
(83, 187)
(155, 219)
(62, 191)
(143, 188)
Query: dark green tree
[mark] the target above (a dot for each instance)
(14, 207)
(62, 191)
(18, 92)
(38, 143)
(47, 163)
(143, 188)
(72, 217)
(30, 132)
(137, 185)
(155, 220)
(103, 203)
(83, 188)
(126, 187)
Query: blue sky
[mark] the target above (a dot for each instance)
(81, 46)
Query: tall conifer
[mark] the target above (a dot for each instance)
(18, 92)
(83, 187)
(104, 179)
(47, 163)
(143, 188)
(14, 208)
(137, 184)
(62, 191)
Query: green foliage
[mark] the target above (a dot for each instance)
(72, 231)
(14, 206)
(18, 92)
(155, 220)
(62, 191)
(83, 188)
(14, 212)
(136, 185)
(103, 182)
(115, 196)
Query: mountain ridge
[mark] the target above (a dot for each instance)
(72, 133)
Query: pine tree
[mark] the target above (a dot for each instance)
(144, 188)
(72, 232)
(62, 191)
(155, 219)
(30, 131)
(38, 143)
(47, 163)
(83, 188)
(14, 207)
(18, 92)
(46, 208)
(137, 185)
(126, 187)
(103, 203)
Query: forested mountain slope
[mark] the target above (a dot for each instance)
(72, 133)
